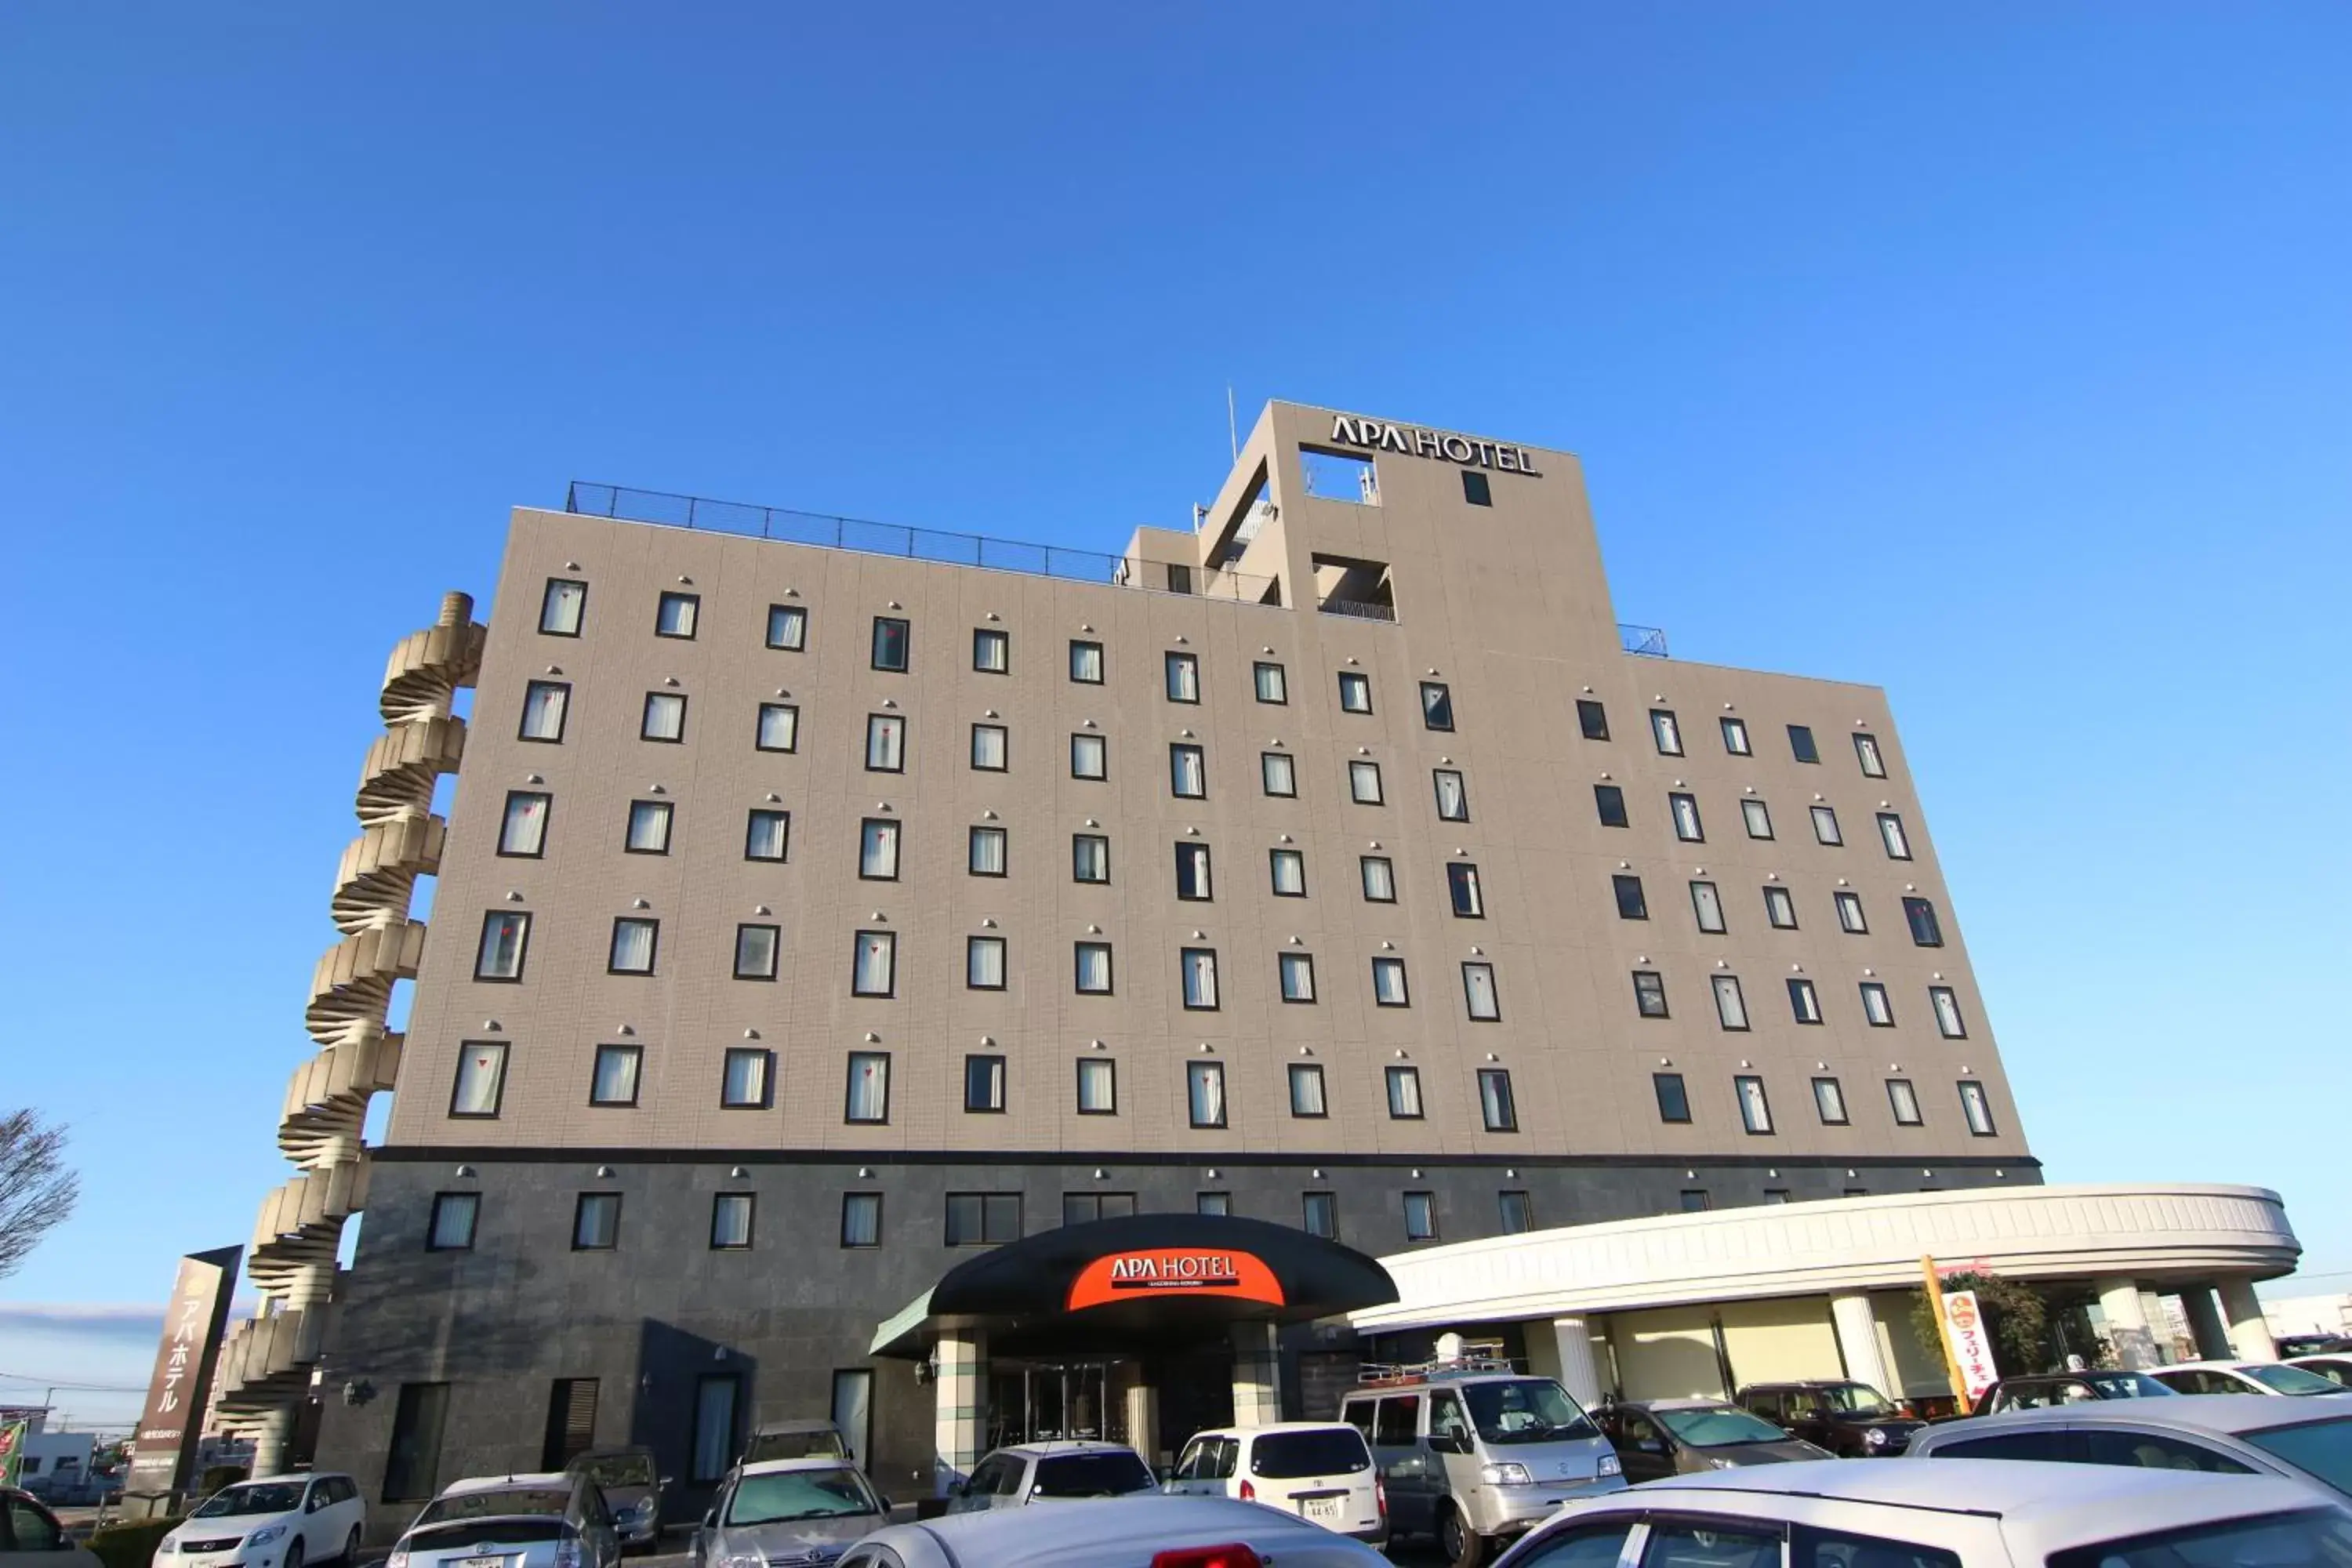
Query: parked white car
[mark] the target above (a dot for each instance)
(1954, 1514)
(1026, 1472)
(1321, 1470)
(1125, 1533)
(278, 1522)
(2231, 1434)
(2241, 1377)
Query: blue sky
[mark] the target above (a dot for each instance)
(2000, 355)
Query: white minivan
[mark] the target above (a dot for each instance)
(1321, 1470)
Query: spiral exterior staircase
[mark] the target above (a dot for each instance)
(267, 1365)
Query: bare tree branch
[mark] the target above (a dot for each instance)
(36, 1190)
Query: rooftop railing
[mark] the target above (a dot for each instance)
(1650, 642)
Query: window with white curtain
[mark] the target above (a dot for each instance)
(1804, 1002)
(1090, 757)
(861, 1219)
(544, 703)
(985, 855)
(1462, 886)
(991, 748)
(1421, 1214)
(665, 718)
(1649, 994)
(1755, 1110)
(886, 743)
(596, 1221)
(1188, 772)
(1093, 966)
(1904, 1100)
(1686, 822)
(1730, 1007)
(992, 651)
(983, 963)
(1478, 991)
(1829, 1099)
(787, 627)
(877, 850)
(1759, 817)
(744, 1078)
(1098, 1086)
(1288, 868)
(1378, 873)
(1825, 825)
(1849, 912)
(1388, 982)
(1200, 970)
(1089, 858)
(1735, 737)
(676, 615)
(614, 1080)
(561, 607)
(1355, 691)
(1866, 752)
(523, 829)
(1404, 1093)
(1278, 773)
(1707, 905)
(983, 1084)
(1947, 1013)
(1977, 1108)
(731, 1221)
(1890, 833)
(1273, 684)
(756, 951)
(869, 1086)
(634, 940)
(1192, 883)
(1779, 907)
(1086, 662)
(506, 935)
(779, 727)
(1204, 1093)
(1876, 1010)
(1453, 800)
(767, 834)
(1297, 975)
(1666, 732)
(648, 830)
(1364, 782)
(481, 1079)
(1495, 1104)
(451, 1228)
(875, 971)
(1307, 1089)
(1183, 673)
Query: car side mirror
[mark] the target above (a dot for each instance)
(667, 1481)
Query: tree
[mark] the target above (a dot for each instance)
(36, 1190)
(2015, 1315)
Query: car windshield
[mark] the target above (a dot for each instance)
(2322, 1448)
(270, 1498)
(501, 1502)
(1854, 1399)
(2336, 1371)
(823, 1443)
(1719, 1426)
(2291, 1380)
(1525, 1410)
(1093, 1474)
(779, 1495)
(2321, 1538)
(1333, 1451)
(2129, 1385)
(617, 1469)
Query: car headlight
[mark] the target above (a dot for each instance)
(1610, 1466)
(399, 1558)
(1874, 1438)
(166, 1546)
(1506, 1476)
(1717, 1462)
(265, 1535)
(746, 1560)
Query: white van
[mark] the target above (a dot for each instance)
(1321, 1470)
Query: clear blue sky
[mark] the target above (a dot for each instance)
(2001, 355)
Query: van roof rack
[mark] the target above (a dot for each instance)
(1478, 1357)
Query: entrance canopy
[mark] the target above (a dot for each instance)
(1164, 1281)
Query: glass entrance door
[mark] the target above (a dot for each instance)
(1035, 1402)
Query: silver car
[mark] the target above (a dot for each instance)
(1026, 1472)
(1129, 1532)
(781, 1511)
(2307, 1440)
(541, 1520)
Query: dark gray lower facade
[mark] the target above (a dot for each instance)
(471, 1360)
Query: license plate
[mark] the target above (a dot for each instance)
(1321, 1509)
(483, 1562)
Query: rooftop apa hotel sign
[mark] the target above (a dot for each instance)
(1177, 1271)
(1414, 441)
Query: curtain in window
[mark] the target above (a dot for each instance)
(1729, 1005)
(1708, 906)
(1978, 1110)
(1759, 818)
(889, 643)
(1380, 879)
(755, 952)
(1356, 693)
(1087, 757)
(1478, 987)
(765, 838)
(869, 1086)
(1271, 686)
(665, 716)
(559, 611)
(615, 1081)
(1290, 872)
(1755, 1112)
(1404, 1092)
(1388, 982)
(1495, 1101)
(542, 710)
(1781, 909)
(861, 1219)
(878, 854)
(991, 651)
(731, 1220)
(633, 946)
(745, 1079)
(877, 949)
(1205, 1087)
(1086, 662)
(988, 851)
(1947, 1013)
(1874, 1005)
(525, 830)
(1803, 1001)
(1830, 1099)
(1200, 978)
(1825, 825)
(988, 747)
(1419, 1217)
(1668, 733)
(1305, 1090)
(984, 1083)
(886, 737)
(1183, 679)
(1849, 908)
(779, 727)
(1277, 773)
(649, 827)
(481, 1072)
(1297, 978)
(1866, 749)
(1436, 706)
(1890, 830)
(1188, 772)
(503, 937)
(675, 616)
(1686, 824)
(1453, 805)
(1462, 877)
(1905, 1099)
(1094, 966)
(1735, 737)
(787, 626)
(1089, 858)
(1192, 871)
(453, 1220)
(1098, 1086)
(1364, 782)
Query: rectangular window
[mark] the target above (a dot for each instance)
(787, 627)
(1089, 858)
(1364, 782)
(1735, 737)
(868, 1099)
(1516, 1212)
(506, 937)
(676, 613)
(1849, 912)
(745, 1079)
(1666, 732)
(756, 947)
(1307, 1089)
(1183, 674)
(1978, 1109)
(767, 834)
(1093, 965)
(1453, 800)
(1776, 1194)
(861, 1219)
(596, 1221)
(544, 704)
(1273, 685)
(1090, 757)
(614, 1080)
(1649, 994)
(874, 965)
(1379, 875)
(1287, 868)
(1462, 884)
(891, 637)
(1593, 719)
(1098, 1086)
(451, 1227)
(1436, 705)
(523, 829)
(1755, 1110)
(1188, 772)
(1904, 1100)
(1757, 816)
(1200, 967)
(1801, 744)
(1674, 1100)
(1707, 904)
(648, 829)
(1890, 833)
(1421, 1209)
(1866, 752)
(1087, 663)
(1298, 975)
(665, 718)
(1631, 903)
(1829, 1099)
(731, 1222)
(984, 1085)
(1217, 1204)
(1947, 1013)
(991, 748)
(412, 1468)
(1825, 825)
(1609, 800)
(1495, 1102)
(983, 963)
(634, 942)
(1319, 1215)
(1204, 1093)
(1193, 873)
(992, 651)
(1730, 1006)
(1355, 691)
(1389, 985)
(780, 727)
(1404, 1094)
(1804, 1002)
(1084, 1208)
(1875, 1008)
(877, 850)
(1695, 1200)
(562, 607)
(1478, 993)
(1278, 773)
(1686, 822)
(1180, 578)
(886, 743)
(715, 1396)
(1926, 929)
(1477, 491)
(984, 851)
(1779, 907)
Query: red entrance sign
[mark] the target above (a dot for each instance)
(1174, 1271)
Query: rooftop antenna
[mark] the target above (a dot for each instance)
(1233, 431)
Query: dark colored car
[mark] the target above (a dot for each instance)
(2068, 1388)
(633, 1489)
(2292, 1346)
(1656, 1437)
(1851, 1420)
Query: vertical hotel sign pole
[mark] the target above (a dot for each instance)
(1935, 1283)
(163, 1446)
